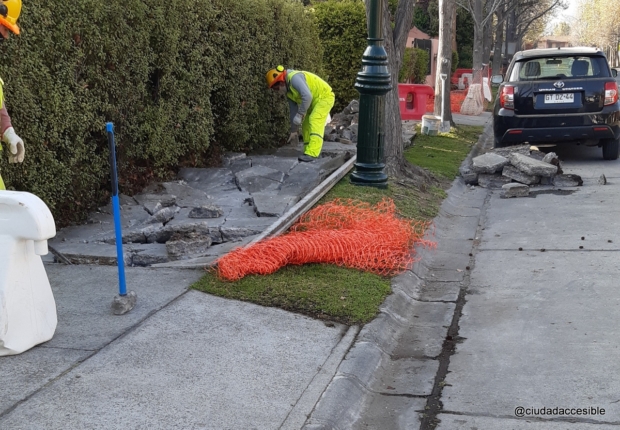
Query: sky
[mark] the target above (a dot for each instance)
(570, 12)
(565, 16)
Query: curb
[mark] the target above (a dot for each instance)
(351, 391)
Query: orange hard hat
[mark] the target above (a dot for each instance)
(275, 75)
(9, 12)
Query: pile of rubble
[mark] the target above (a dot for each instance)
(344, 126)
(515, 169)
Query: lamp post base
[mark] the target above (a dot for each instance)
(369, 175)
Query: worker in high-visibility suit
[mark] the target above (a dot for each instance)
(310, 100)
(9, 12)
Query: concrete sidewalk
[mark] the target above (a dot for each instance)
(180, 359)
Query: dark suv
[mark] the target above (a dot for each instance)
(558, 95)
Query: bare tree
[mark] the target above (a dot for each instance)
(528, 13)
(481, 11)
(500, 15)
(598, 24)
(524, 12)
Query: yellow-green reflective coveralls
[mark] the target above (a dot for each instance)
(313, 125)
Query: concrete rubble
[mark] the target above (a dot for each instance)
(523, 165)
(204, 213)
(344, 126)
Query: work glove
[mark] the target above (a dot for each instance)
(16, 145)
(298, 119)
(293, 139)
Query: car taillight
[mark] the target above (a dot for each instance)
(611, 93)
(507, 97)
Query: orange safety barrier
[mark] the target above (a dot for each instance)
(412, 100)
(454, 79)
(456, 100)
(347, 233)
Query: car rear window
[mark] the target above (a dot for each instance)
(559, 68)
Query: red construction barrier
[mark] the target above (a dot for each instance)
(454, 79)
(412, 100)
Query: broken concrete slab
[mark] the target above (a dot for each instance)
(238, 228)
(131, 215)
(531, 166)
(259, 178)
(206, 211)
(206, 178)
(144, 255)
(282, 164)
(487, 180)
(517, 175)
(155, 202)
(188, 245)
(567, 180)
(301, 179)
(179, 225)
(488, 163)
(214, 252)
(91, 253)
(506, 151)
(469, 176)
(163, 215)
(272, 205)
(515, 190)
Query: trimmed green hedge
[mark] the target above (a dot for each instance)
(343, 32)
(415, 64)
(182, 81)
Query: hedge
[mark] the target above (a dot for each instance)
(182, 81)
(343, 32)
(415, 64)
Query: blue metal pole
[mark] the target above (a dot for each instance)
(117, 211)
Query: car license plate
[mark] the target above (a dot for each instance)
(559, 98)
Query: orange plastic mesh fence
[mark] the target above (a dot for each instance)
(343, 232)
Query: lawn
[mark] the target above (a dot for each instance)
(346, 295)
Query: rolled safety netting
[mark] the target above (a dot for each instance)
(347, 233)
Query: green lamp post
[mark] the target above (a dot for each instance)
(373, 83)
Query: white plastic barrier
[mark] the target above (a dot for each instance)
(27, 306)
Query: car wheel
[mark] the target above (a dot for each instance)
(611, 148)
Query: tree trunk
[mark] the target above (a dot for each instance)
(511, 31)
(487, 41)
(395, 40)
(499, 42)
(478, 41)
(444, 60)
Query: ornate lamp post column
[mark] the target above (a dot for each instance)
(373, 83)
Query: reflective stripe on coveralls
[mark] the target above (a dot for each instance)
(313, 127)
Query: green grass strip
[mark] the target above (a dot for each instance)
(347, 295)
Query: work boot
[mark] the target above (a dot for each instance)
(306, 158)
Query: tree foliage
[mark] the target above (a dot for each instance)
(598, 23)
(342, 29)
(415, 63)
